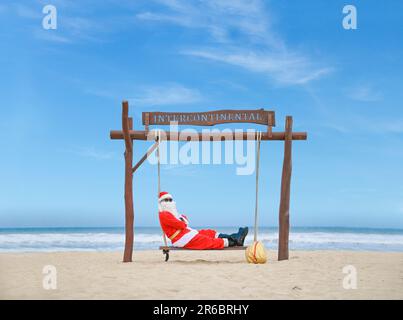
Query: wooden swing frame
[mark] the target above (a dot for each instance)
(210, 118)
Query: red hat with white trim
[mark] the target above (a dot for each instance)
(164, 195)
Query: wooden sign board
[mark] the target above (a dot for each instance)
(210, 118)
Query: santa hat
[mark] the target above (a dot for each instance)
(164, 195)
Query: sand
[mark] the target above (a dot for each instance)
(201, 275)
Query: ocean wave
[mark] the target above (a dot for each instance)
(328, 237)
(101, 241)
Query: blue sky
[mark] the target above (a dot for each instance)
(61, 93)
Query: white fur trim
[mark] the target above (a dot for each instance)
(185, 239)
(226, 242)
(216, 235)
(165, 196)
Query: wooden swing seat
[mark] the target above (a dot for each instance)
(226, 248)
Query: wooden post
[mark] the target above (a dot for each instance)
(144, 158)
(284, 212)
(147, 121)
(129, 210)
(269, 125)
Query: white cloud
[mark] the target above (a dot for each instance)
(50, 35)
(71, 26)
(101, 93)
(241, 35)
(364, 93)
(24, 11)
(168, 94)
(183, 21)
(360, 124)
(337, 127)
(179, 170)
(88, 152)
(163, 95)
(393, 126)
(283, 68)
(218, 18)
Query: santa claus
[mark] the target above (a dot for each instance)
(176, 227)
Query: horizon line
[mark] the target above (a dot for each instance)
(269, 226)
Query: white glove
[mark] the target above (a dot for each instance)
(184, 220)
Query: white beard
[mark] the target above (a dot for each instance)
(170, 207)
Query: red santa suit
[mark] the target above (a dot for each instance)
(176, 227)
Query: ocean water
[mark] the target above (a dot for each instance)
(111, 239)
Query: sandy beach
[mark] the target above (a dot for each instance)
(201, 275)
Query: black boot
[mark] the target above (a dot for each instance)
(237, 238)
(232, 242)
(233, 235)
(224, 236)
(240, 236)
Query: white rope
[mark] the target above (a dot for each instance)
(158, 161)
(258, 139)
(158, 138)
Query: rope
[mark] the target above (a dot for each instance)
(158, 139)
(158, 162)
(258, 139)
